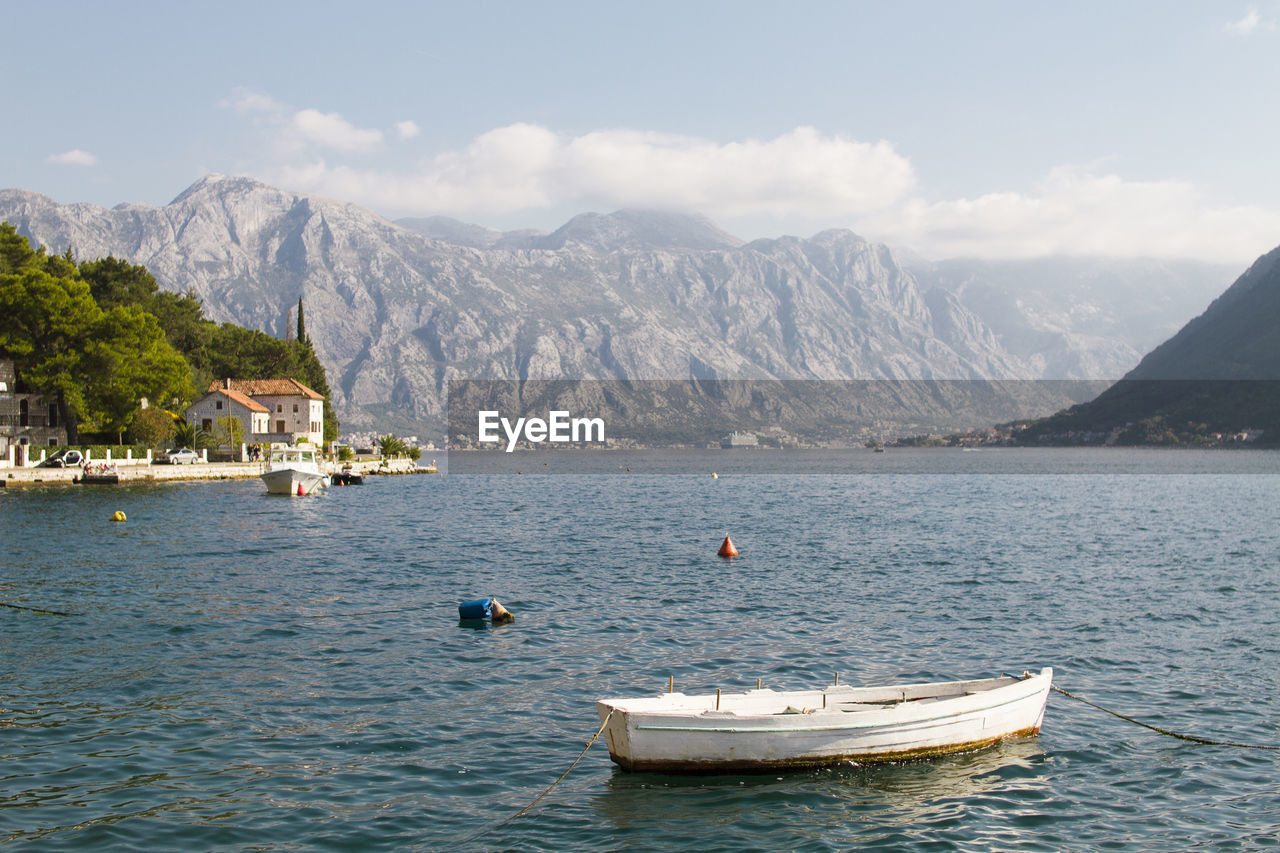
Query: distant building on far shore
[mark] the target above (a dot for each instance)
(737, 439)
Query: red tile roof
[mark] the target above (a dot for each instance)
(244, 400)
(267, 388)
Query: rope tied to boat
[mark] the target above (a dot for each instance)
(36, 609)
(1167, 732)
(539, 798)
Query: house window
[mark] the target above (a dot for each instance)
(24, 412)
(295, 408)
(207, 425)
(279, 426)
(279, 407)
(53, 442)
(53, 414)
(217, 404)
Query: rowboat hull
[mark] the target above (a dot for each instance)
(765, 730)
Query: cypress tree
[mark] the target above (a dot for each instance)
(302, 325)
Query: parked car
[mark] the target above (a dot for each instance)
(185, 456)
(63, 459)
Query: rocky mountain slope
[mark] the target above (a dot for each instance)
(1219, 375)
(1076, 317)
(1236, 338)
(397, 310)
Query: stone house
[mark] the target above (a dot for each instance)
(271, 411)
(209, 411)
(26, 419)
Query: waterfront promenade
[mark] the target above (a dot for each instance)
(144, 473)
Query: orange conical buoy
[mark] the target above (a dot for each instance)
(300, 492)
(726, 548)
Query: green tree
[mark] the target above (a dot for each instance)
(16, 254)
(47, 325)
(129, 358)
(228, 432)
(392, 445)
(152, 426)
(116, 282)
(302, 325)
(182, 317)
(187, 434)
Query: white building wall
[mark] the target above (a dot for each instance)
(207, 409)
(296, 414)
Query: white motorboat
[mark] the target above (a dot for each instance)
(767, 730)
(293, 471)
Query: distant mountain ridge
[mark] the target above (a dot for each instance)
(1077, 316)
(1220, 374)
(396, 310)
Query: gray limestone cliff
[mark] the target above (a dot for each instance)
(396, 310)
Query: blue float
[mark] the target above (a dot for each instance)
(484, 608)
(481, 608)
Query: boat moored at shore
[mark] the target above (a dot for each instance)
(293, 471)
(347, 476)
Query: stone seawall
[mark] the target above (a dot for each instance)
(142, 473)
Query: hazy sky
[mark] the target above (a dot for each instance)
(987, 128)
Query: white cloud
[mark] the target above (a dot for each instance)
(1073, 211)
(798, 182)
(1250, 22)
(293, 132)
(245, 100)
(74, 157)
(333, 131)
(525, 166)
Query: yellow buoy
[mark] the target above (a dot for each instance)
(118, 515)
(714, 475)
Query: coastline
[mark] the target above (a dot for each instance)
(20, 477)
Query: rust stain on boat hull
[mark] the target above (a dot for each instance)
(811, 762)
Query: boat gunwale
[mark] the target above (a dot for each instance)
(893, 716)
(693, 707)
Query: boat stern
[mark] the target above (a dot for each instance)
(614, 721)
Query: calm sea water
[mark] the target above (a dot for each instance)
(244, 671)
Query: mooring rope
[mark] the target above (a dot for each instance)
(361, 613)
(538, 798)
(36, 609)
(1191, 738)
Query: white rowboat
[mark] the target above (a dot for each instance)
(768, 730)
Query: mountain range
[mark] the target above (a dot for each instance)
(396, 310)
(1218, 376)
